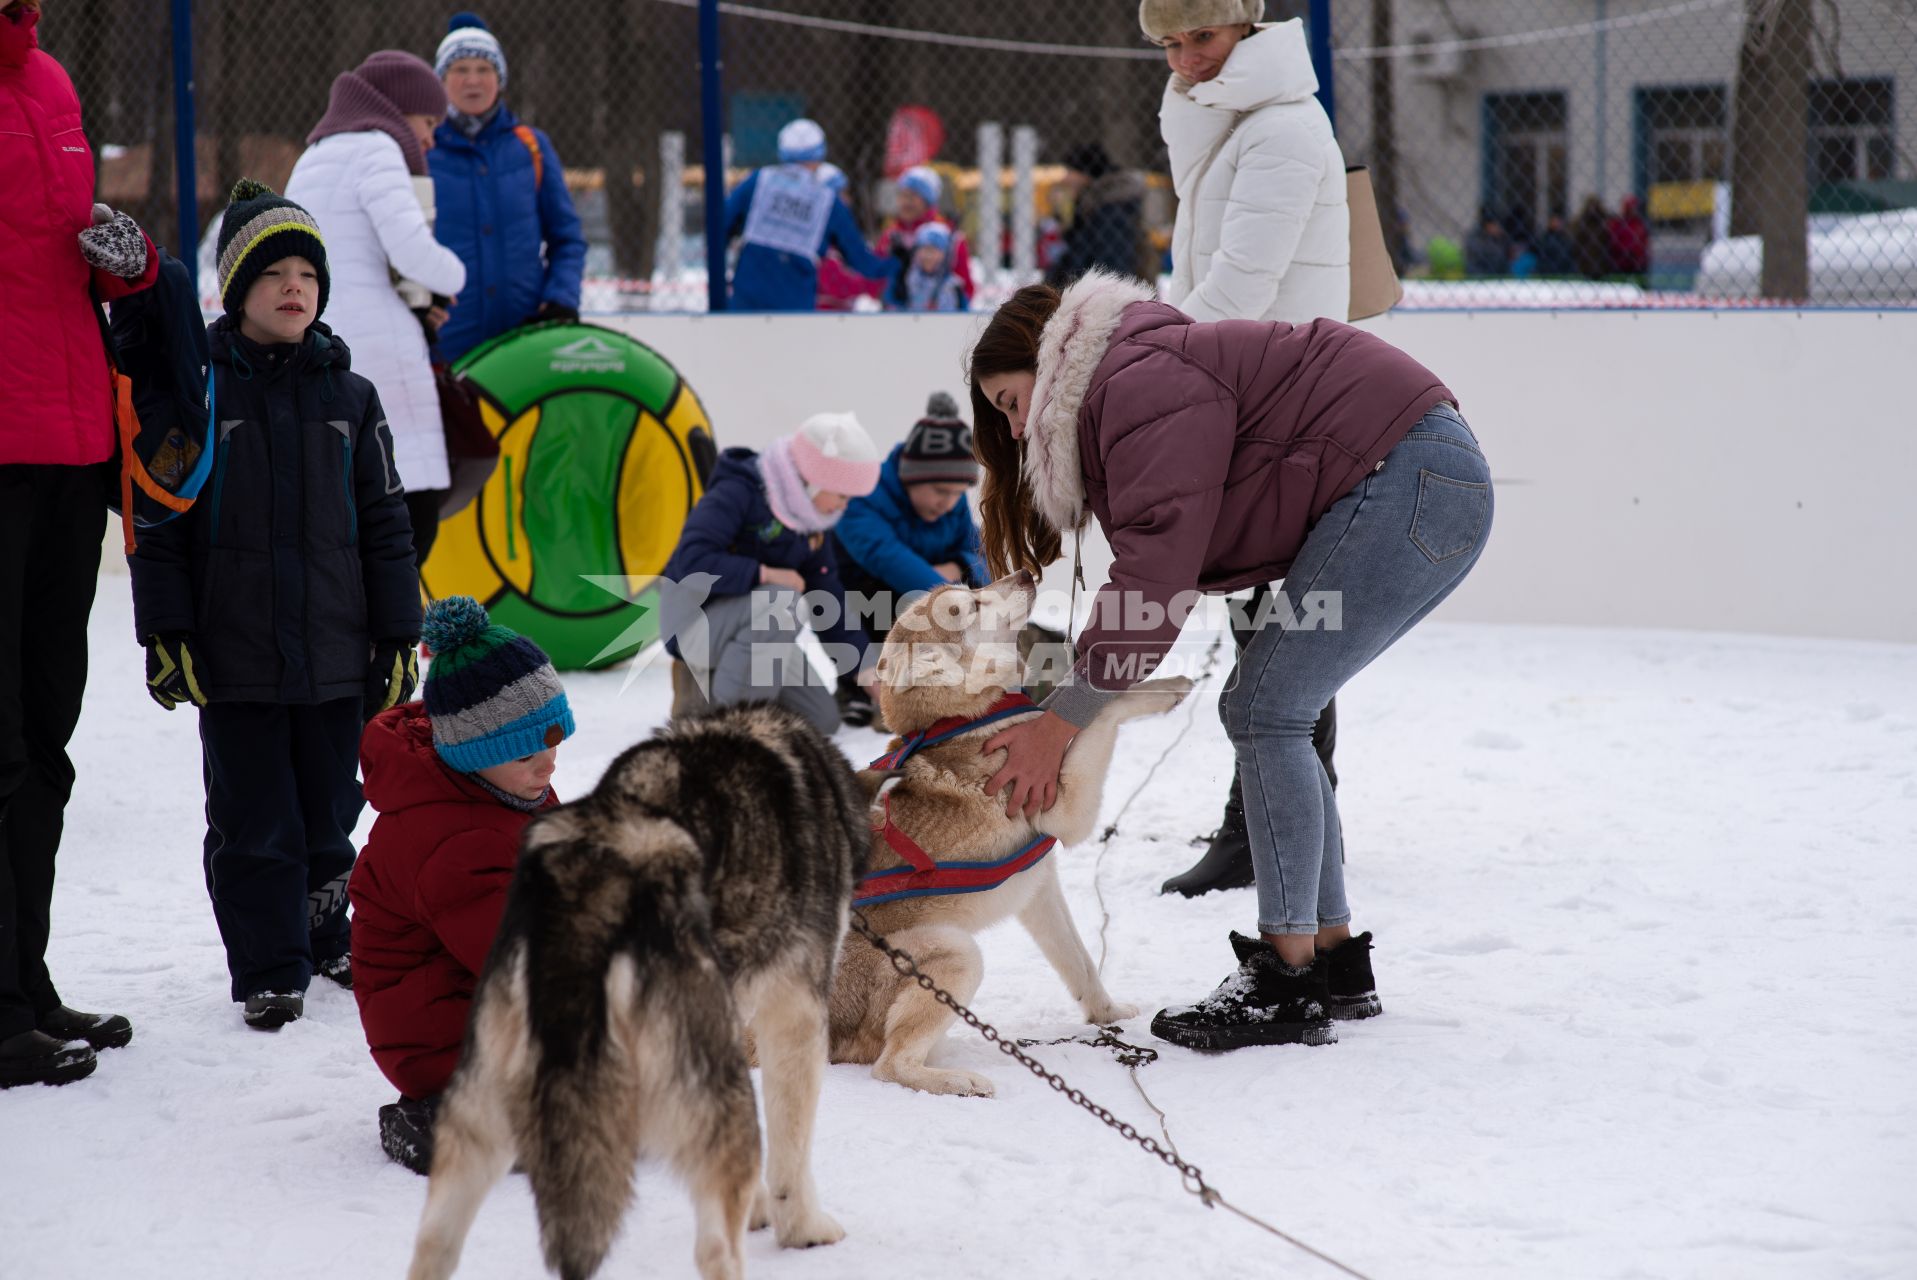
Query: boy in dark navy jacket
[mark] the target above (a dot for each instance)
(285, 606)
(757, 542)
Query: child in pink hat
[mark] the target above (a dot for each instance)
(755, 544)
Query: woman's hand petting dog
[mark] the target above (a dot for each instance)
(1034, 752)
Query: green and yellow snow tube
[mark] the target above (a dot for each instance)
(603, 450)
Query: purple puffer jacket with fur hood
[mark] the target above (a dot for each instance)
(1205, 451)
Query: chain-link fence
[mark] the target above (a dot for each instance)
(1524, 152)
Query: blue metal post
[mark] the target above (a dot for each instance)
(185, 167)
(713, 127)
(1318, 29)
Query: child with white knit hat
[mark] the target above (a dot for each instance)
(753, 546)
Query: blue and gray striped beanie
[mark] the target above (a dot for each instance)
(492, 694)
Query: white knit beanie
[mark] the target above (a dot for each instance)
(834, 454)
(467, 36)
(802, 141)
(1161, 18)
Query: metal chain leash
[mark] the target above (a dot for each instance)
(1129, 1056)
(1192, 1176)
(907, 967)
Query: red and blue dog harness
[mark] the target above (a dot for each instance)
(924, 876)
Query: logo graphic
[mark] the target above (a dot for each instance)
(589, 354)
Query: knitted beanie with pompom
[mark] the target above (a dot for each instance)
(492, 694)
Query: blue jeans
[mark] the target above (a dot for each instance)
(1384, 555)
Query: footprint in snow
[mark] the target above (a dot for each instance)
(1492, 740)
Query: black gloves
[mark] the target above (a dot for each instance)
(173, 671)
(114, 244)
(393, 675)
(550, 311)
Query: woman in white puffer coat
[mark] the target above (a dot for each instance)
(1263, 232)
(356, 179)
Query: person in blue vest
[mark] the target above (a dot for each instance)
(501, 197)
(788, 218)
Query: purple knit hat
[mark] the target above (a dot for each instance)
(379, 94)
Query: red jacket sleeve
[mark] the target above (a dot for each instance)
(108, 287)
(462, 892)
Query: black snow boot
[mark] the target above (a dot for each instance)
(101, 1030)
(1266, 1001)
(855, 704)
(406, 1133)
(1227, 863)
(339, 969)
(34, 1057)
(271, 1010)
(1348, 967)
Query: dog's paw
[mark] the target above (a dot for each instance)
(1169, 690)
(1102, 1015)
(964, 1084)
(810, 1230)
(759, 1216)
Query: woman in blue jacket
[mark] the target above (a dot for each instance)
(731, 605)
(501, 199)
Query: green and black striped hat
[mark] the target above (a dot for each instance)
(260, 228)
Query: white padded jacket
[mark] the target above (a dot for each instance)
(1263, 231)
(357, 188)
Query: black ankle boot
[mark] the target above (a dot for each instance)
(406, 1133)
(101, 1030)
(1266, 1001)
(34, 1057)
(1348, 977)
(1227, 863)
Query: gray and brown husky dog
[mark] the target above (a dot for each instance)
(700, 889)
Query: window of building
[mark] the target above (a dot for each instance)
(1688, 130)
(1526, 156)
(1850, 131)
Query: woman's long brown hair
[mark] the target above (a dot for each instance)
(1016, 536)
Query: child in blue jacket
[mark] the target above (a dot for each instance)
(755, 543)
(914, 531)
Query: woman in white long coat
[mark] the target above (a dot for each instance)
(356, 179)
(1263, 233)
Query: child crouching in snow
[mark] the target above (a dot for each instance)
(751, 549)
(455, 779)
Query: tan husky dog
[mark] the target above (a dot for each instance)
(954, 652)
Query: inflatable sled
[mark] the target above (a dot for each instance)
(603, 450)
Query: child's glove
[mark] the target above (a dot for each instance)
(173, 671)
(393, 676)
(114, 244)
(554, 311)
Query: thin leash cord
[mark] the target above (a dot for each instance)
(1210, 1195)
(1111, 829)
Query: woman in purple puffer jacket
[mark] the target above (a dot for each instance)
(1215, 457)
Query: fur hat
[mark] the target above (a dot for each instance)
(834, 454)
(1161, 18)
(939, 448)
(491, 694)
(802, 142)
(468, 36)
(257, 230)
(404, 80)
(924, 182)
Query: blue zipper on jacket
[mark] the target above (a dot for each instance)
(352, 510)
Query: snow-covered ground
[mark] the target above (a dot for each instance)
(1647, 921)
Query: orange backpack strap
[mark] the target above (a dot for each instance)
(525, 134)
